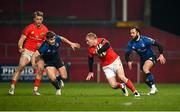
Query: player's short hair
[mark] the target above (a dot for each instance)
(38, 13)
(50, 34)
(136, 28)
(91, 35)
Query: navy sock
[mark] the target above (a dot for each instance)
(56, 84)
(149, 80)
(58, 77)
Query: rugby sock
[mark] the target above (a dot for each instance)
(130, 85)
(56, 84)
(58, 77)
(148, 84)
(36, 84)
(13, 83)
(149, 80)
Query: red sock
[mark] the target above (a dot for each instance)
(13, 82)
(130, 85)
(119, 85)
(37, 82)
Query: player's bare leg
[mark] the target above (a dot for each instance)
(149, 77)
(22, 63)
(37, 81)
(129, 84)
(51, 71)
(115, 85)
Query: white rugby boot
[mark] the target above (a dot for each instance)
(36, 93)
(124, 90)
(136, 94)
(58, 92)
(153, 91)
(11, 91)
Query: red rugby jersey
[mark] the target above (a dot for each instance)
(34, 36)
(110, 54)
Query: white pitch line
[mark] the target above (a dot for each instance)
(127, 103)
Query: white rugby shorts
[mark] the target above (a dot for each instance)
(28, 54)
(110, 70)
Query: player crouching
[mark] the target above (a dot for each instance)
(53, 63)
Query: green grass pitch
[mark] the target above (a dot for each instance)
(88, 96)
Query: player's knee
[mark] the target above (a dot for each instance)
(145, 70)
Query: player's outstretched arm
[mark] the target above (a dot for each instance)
(128, 60)
(72, 44)
(21, 42)
(90, 65)
(33, 61)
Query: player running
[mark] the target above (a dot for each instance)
(49, 52)
(142, 46)
(110, 62)
(32, 37)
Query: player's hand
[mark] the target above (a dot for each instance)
(130, 65)
(161, 59)
(75, 45)
(90, 75)
(21, 50)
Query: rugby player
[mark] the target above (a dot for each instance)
(32, 37)
(142, 46)
(110, 63)
(53, 62)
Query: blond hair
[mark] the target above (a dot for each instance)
(91, 34)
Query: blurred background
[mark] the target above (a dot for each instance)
(110, 19)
